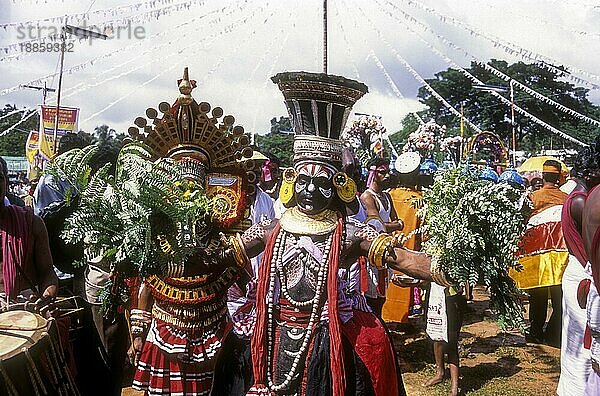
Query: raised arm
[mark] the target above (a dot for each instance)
(254, 239)
(381, 252)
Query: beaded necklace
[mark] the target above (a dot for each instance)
(314, 314)
(310, 263)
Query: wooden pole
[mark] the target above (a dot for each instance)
(512, 121)
(325, 36)
(60, 76)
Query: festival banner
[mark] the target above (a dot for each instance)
(32, 146)
(67, 123)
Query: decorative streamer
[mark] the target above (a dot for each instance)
(416, 75)
(355, 69)
(156, 59)
(114, 11)
(83, 65)
(93, 85)
(392, 83)
(266, 54)
(488, 67)
(275, 62)
(198, 48)
(537, 19)
(23, 119)
(195, 44)
(510, 48)
(119, 23)
(413, 72)
(346, 42)
(497, 95)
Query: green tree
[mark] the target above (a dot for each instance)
(13, 142)
(279, 142)
(284, 124)
(490, 114)
(409, 125)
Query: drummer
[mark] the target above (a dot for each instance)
(27, 272)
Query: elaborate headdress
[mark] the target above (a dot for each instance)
(319, 105)
(213, 152)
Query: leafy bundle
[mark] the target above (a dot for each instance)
(475, 227)
(122, 217)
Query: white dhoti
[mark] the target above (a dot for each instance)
(575, 364)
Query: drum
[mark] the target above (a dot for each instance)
(31, 358)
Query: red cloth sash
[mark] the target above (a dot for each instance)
(572, 237)
(16, 239)
(258, 344)
(372, 344)
(259, 341)
(364, 275)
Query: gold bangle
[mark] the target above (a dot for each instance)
(239, 252)
(378, 249)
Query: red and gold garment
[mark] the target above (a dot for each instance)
(543, 253)
(186, 334)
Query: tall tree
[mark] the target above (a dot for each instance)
(13, 142)
(279, 141)
(490, 114)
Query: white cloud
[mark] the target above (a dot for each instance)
(239, 64)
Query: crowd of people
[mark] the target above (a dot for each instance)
(301, 302)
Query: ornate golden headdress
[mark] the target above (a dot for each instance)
(212, 151)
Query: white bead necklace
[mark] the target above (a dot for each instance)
(314, 314)
(284, 288)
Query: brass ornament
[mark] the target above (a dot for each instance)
(296, 222)
(286, 191)
(345, 187)
(378, 250)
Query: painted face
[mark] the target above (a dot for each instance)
(314, 188)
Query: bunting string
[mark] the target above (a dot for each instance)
(285, 27)
(512, 49)
(81, 87)
(228, 28)
(487, 66)
(87, 16)
(538, 19)
(83, 65)
(110, 25)
(415, 74)
(355, 68)
(349, 52)
(210, 38)
(265, 55)
(23, 119)
(502, 98)
(391, 82)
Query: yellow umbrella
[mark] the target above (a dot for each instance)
(258, 156)
(534, 164)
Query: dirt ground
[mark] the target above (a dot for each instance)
(493, 363)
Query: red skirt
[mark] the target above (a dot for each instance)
(177, 362)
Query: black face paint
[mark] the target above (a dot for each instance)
(314, 190)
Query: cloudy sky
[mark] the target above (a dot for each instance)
(232, 47)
